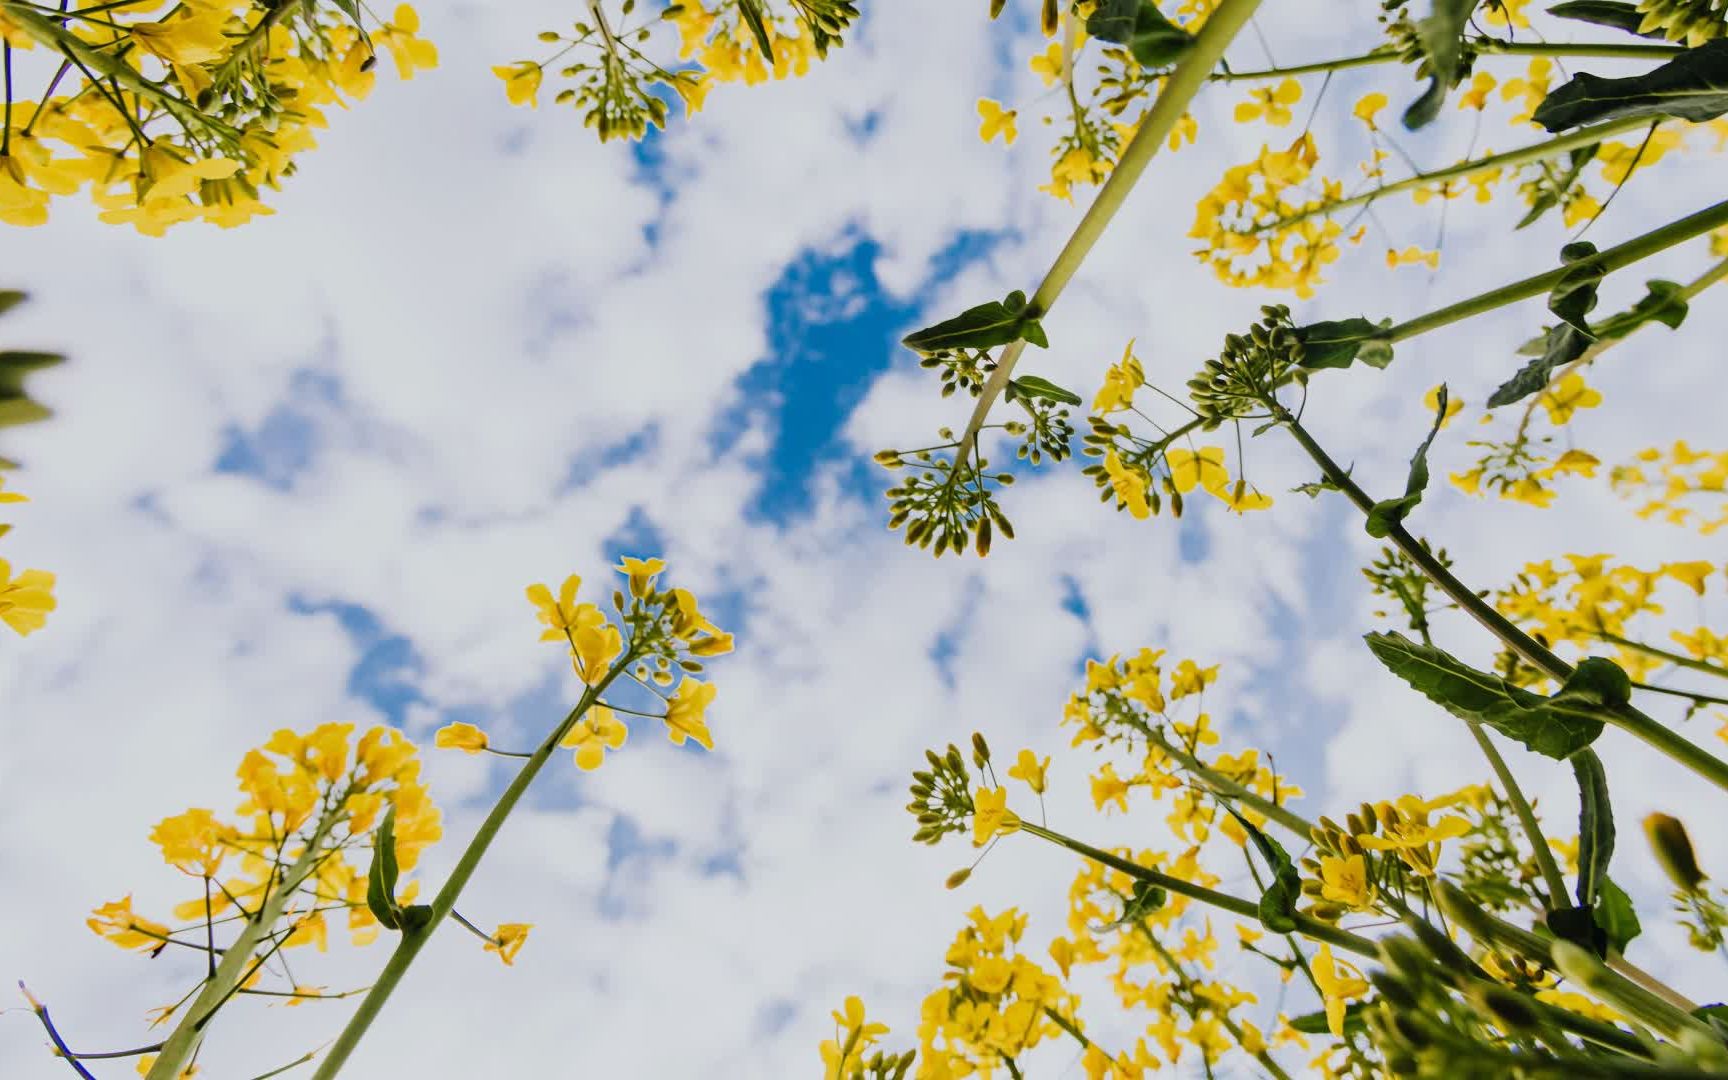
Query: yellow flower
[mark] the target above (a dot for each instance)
(1431, 401)
(856, 1036)
(594, 644)
(1691, 574)
(1047, 65)
(997, 121)
(1191, 678)
(1570, 395)
(410, 53)
(693, 88)
(991, 816)
(1507, 13)
(1129, 485)
(1120, 382)
(1345, 881)
(1272, 103)
(593, 735)
(559, 615)
(116, 922)
(25, 600)
(684, 713)
(1476, 97)
(1189, 470)
(1339, 983)
(508, 940)
(194, 842)
(1029, 769)
(186, 40)
(459, 736)
(521, 82)
(641, 573)
(1369, 107)
(1410, 256)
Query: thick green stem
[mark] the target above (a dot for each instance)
(1551, 875)
(1223, 785)
(1306, 925)
(1490, 48)
(1615, 258)
(1534, 152)
(1691, 663)
(1625, 717)
(178, 1048)
(413, 941)
(1222, 26)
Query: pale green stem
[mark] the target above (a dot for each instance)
(1179, 89)
(1691, 663)
(1625, 717)
(1223, 785)
(1534, 152)
(1551, 875)
(178, 1048)
(1490, 48)
(413, 941)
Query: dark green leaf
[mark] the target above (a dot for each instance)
(1387, 513)
(1315, 1023)
(1031, 330)
(1557, 726)
(1616, 915)
(1595, 826)
(751, 12)
(1715, 1015)
(1113, 20)
(381, 875)
(1620, 16)
(9, 299)
(1034, 387)
(1572, 299)
(1577, 925)
(1278, 902)
(1664, 303)
(1157, 42)
(1440, 37)
(1337, 343)
(1549, 193)
(1692, 86)
(983, 327)
(415, 916)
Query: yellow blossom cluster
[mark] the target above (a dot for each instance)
(1680, 486)
(658, 631)
(285, 857)
(1524, 467)
(174, 113)
(1260, 229)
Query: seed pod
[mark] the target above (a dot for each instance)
(957, 878)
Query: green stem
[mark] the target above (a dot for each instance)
(1551, 875)
(178, 1048)
(1488, 47)
(1534, 152)
(50, 33)
(1615, 258)
(1306, 925)
(1068, 1025)
(1691, 663)
(1179, 89)
(1223, 785)
(1701, 699)
(1625, 717)
(413, 941)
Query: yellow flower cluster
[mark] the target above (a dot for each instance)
(185, 114)
(308, 800)
(1681, 486)
(663, 630)
(27, 598)
(1252, 226)
(1520, 469)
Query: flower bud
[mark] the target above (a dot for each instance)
(958, 878)
(1673, 850)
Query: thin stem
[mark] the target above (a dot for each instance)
(1624, 717)
(1691, 663)
(1551, 875)
(1222, 26)
(414, 940)
(1223, 785)
(1534, 152)
(1248, 909)
(1701, 699)
(1608, 260)
(1486, 47)
(1068, 1025)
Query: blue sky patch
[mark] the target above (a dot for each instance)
(385, 675)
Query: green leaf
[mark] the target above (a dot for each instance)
(1033, 387)
(1665, 302)
(985, 326)
(1692, 86)
(1387, 513)
(1577, 925)
(1113, 20)
(1556, 727)
(1278, 902)
(1336, 344)
(1715, 1015)
(1440, 37)
(1616, 916)
(1595, 826)
(1614, 13)
(751, 12)
(381, 875)
(1157, 42)
(1572, 299)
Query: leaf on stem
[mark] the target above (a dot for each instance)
(1692, 86)
(1441, 39)
(1384, 515)
(1572, 298)
(1338, 343)
(1032, 386)
(1278, 902)
(999, 322)
(1613, 13)
(1595, 825)
(1556, 727)
(381, 875)
(751, 12)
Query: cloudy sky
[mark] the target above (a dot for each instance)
(301, 472)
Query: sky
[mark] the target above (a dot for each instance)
(301, 471)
